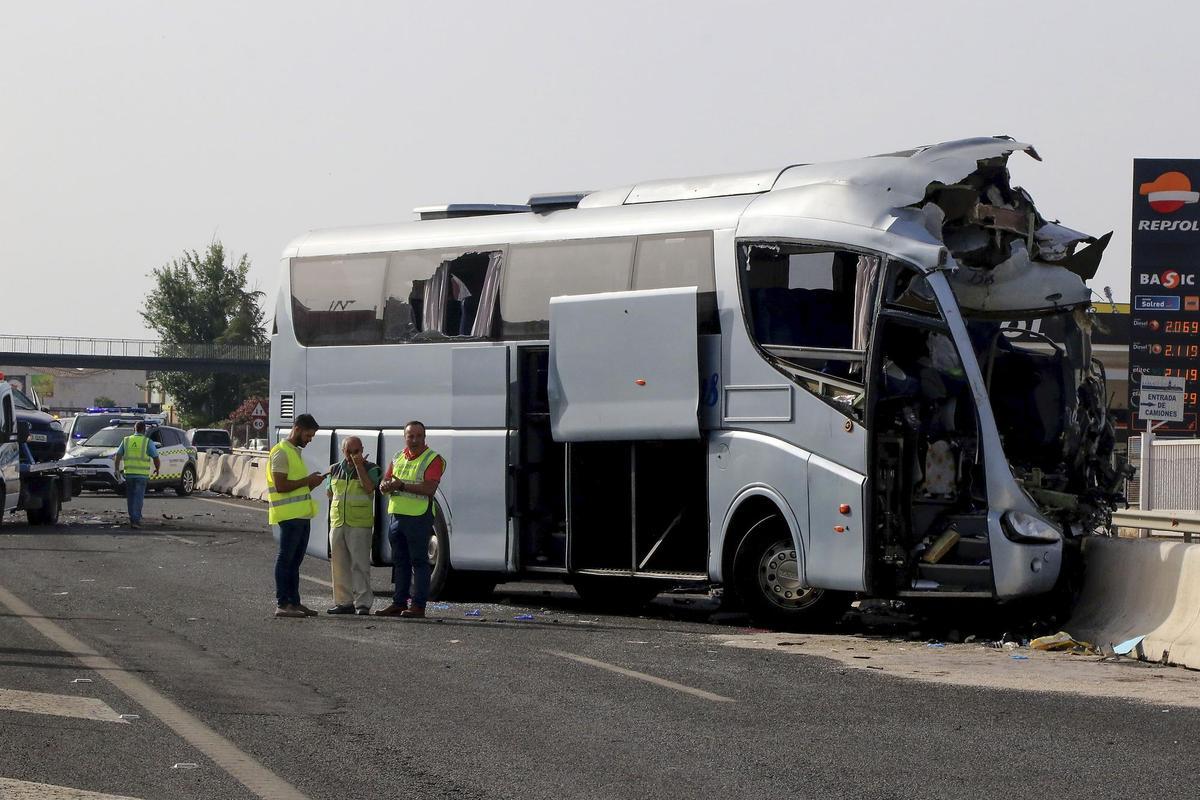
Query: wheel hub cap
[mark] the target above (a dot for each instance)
(779, 578)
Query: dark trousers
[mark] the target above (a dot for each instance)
(293, 541)
(409, 537)
(135, 495)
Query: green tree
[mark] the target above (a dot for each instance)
(104, 401)
(202, 298)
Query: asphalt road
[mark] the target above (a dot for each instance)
(173, 624)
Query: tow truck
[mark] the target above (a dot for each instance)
(37, 489)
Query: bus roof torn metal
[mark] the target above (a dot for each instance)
(1003, 255)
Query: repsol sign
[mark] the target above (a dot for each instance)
(1168, 225)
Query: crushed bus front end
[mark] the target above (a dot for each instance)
(993, 440)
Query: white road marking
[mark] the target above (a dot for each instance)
(257, 508)
(316, 580)
(177, 538)
(59, 705)
(224, 753)
(22, 790)
(641, 676)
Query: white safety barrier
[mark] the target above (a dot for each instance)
(243, 474)
(1143, 593)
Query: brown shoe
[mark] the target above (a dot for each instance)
(305, 610)
(391, 611)
(416, 612)
(289, 611)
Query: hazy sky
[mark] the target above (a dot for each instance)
(133, 131)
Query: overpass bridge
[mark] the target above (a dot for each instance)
(139, 354)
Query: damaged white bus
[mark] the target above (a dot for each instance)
(801, 384)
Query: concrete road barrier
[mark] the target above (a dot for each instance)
(253, 476)
(1141, 588)
(243, 474)
(208, 469)
(226, 476)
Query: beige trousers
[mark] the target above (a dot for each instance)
(350, 558)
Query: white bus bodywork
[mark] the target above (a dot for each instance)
(661, 430)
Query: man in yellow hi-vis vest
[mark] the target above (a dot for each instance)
(137, 452)
(291, 507)
(411, 480)
(351, 494)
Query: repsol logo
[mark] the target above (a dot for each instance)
(1168, 279)
(1168, 225)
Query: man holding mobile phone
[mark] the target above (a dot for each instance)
(291, 507)
(351, 493)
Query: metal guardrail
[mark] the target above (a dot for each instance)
(1170, 523)
(130, 348)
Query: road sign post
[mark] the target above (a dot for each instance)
(1160, 400)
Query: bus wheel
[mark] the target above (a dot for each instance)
(766, 577)
(439, 555)
(447, 583)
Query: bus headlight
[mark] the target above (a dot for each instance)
(1026, 528)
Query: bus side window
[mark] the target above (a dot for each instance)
(336, 300)
(537, 272)
(908, 289)
(801, 300)
(473, 282)
(680, 259)
(408, 278)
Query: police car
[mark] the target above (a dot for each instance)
(81, 427)
(177, 456)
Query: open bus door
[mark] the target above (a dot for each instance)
(624, 392)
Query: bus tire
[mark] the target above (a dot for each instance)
(439, 555)
(187, 482)
(445, 582)
(766, 581)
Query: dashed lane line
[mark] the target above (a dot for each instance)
(23, 790)
(59, 705)
(224, 753)
(641, 676)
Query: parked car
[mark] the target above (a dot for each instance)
(46, 438)
(177, 456)
(211, 440)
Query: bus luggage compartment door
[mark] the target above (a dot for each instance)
(624, 366)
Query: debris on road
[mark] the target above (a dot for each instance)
(1128, 646)
(1065, 642)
